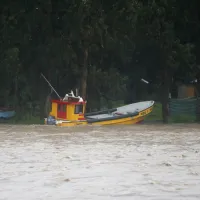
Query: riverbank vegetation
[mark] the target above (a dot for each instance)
(103, 48)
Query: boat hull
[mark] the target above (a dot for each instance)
(6, 113)
(126, 120)
(135, 119)
(123, 121)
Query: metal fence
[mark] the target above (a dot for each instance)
(188, 107)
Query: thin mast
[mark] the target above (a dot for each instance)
(50, 86)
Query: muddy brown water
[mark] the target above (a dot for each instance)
(100, 163)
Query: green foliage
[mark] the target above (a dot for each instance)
(26, 120)
(183, 119)
(126, 41)
(156, 114)
(105, 80)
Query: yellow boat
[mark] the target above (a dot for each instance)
(70, 111)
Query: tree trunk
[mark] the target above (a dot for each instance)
(47, 105)
(131, 93)
(197, 91)
(84, 75)
(165, 95)
(16, 102)
(17, 106)
(42, 97)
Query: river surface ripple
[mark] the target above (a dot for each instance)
(153, 162)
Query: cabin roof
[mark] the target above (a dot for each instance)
(67, 103)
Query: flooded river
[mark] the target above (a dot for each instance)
(153, 162)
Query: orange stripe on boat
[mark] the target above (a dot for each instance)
(81, 118)
(139, 122)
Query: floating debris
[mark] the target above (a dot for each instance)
(167, 164)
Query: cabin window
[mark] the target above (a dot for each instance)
(78, 109)
(61, 108)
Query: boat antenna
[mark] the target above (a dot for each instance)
(50, 86)
(144, 81)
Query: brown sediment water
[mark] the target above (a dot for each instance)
(155, 162)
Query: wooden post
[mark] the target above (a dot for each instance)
(84, 74)
(165, 95)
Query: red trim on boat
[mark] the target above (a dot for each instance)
(81, 118)
(66, 102)
(117, 113)
(139, 122)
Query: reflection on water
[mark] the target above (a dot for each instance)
(119, 162)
